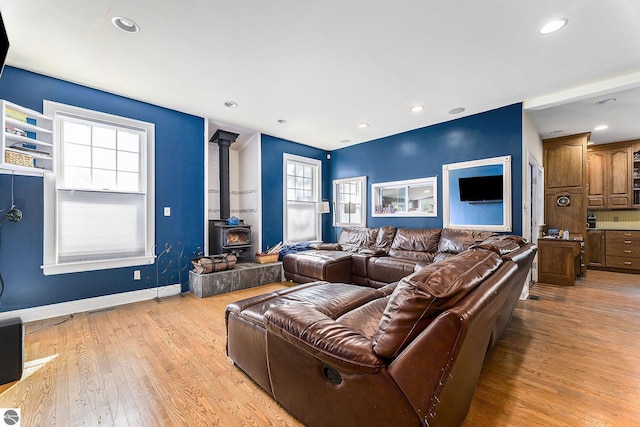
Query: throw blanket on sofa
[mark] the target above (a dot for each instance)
(293, 248)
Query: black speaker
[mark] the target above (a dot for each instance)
(11, 350)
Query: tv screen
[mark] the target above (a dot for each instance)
(4, 44)
(481, 189)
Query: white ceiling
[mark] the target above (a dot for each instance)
(325, 67)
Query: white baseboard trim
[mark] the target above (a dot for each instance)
(90, 304)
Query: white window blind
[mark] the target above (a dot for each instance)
(99, 204)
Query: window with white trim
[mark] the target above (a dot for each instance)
(302, 222)
(350, 202)
(99, 202)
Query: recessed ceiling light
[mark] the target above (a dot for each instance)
(231, 104)
(601, 127)
(606, 101)
(345, 141)
(363, 125)
(553, 26)
(125, 24)
(417, 108)
(283, 121)
(557, 131)
(457, 110)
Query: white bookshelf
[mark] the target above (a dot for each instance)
(27, 146)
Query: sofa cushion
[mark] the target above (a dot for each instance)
(420, 297)
(355, 239)
(419, 244)
(386, 234)
(502, 245)
(456, 241)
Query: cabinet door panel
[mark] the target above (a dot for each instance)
(566, 162)
(596, 248)
(596, 179)
(619, 177)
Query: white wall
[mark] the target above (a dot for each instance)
(244, 184)
(532, 150)
(250, 201)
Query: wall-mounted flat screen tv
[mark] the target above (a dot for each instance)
(481, 189)
(4, 44)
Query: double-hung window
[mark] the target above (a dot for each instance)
(302, 194)
(99, 201)
(350, 201)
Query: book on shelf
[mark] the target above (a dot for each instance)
(15, 131)
(16, 115)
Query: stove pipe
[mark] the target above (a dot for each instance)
(224, 139)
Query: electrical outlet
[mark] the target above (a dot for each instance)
(167, 211)
(136, 275)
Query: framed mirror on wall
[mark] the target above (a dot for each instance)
(413, 197)
(477, 194)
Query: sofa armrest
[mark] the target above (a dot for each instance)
(325, 246)
(323, 338)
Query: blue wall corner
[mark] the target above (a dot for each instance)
(179, 184)
(273, 149)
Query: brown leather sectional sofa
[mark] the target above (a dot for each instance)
(404, 354)
(377, 256)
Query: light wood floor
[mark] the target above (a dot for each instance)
(571, 358)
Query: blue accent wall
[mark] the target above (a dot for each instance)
(273, 150)
(179, 174)
(421, 153)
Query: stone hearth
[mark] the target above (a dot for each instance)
(244, 276)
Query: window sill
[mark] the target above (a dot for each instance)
(76, 267)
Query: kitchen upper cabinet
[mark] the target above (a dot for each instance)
(564, 162)
(596, 178)
(609, 183)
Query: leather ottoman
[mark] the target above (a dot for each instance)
(314, 265)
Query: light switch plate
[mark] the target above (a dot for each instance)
(167, 211)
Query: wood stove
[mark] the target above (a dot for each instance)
(235, 239)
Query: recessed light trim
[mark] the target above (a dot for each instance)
(417, 108)
(231, 104)
(606, 101)
(553, 26)
(601, 127)
(125, 24)
(363, 125)
(457, 110)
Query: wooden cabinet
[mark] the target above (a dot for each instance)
(596, 178)
(623, 249)
(559, 261)
(595, 248)
(564, 183)
(26, 140)
(609, 172)
(564, 162)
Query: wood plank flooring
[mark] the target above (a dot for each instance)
(571, 358)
